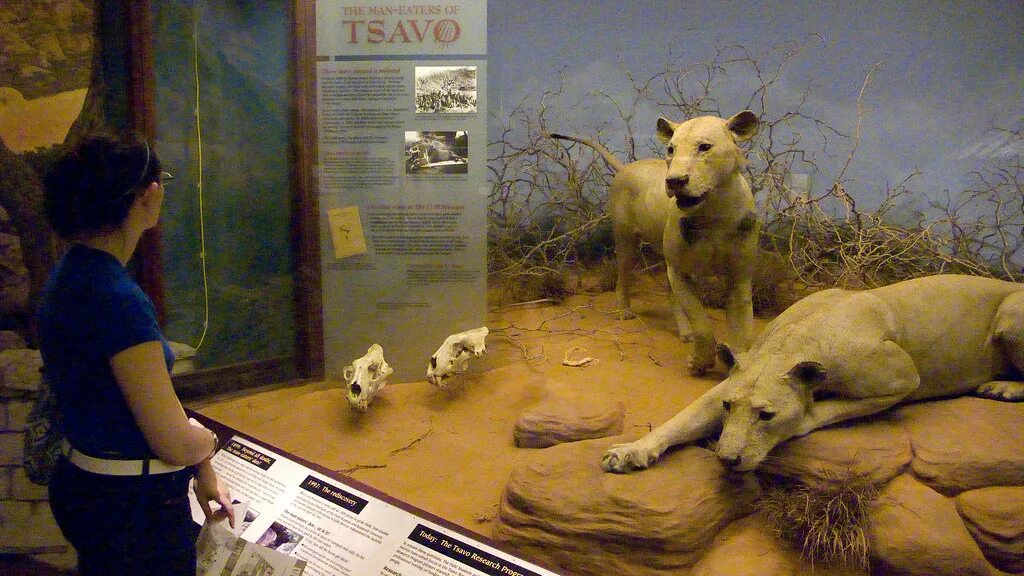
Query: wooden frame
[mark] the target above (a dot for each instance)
(142, 118)
(307, 361)
(305, 192)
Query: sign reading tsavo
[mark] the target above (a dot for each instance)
(348, 28)
(443, 31)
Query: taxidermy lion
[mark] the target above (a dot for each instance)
(696, 208)
(841, 354)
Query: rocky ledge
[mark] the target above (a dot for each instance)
(949, 477)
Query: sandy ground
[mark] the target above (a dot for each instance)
(450, 452)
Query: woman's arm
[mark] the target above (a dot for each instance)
(209, 488)
(141, 372)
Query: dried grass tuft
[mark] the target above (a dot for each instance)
(825, 518)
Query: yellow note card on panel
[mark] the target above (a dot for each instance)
(346, 232)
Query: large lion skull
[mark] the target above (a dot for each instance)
(453, 356)
(365, 377)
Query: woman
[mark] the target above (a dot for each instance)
(120, 494)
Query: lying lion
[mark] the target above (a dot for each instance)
(696, 208)
(842, 354)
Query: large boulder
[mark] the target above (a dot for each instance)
(876, 451)
(995, 517)
(561, 419)
(966, 443)
(564, 510)
(915, 531)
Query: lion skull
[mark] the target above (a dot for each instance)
(453, 356)
(365, 377)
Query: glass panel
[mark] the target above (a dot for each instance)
(238, 51)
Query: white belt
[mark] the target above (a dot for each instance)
(117, 467)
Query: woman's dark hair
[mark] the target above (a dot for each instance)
(90, 190)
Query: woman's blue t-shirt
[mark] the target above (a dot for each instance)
(91, 310)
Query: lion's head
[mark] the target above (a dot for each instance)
(766, 397)
(702, 152)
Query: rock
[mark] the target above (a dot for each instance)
(559, 419)
(877, 450)
(19, 370)
(9, 340)
(995, 517)
(564, 510)
(23, 489)
(14, 282)
(966, 443)
(916, 531)
(12, 449)
(29, 527)
(749, 547)
(17, 414)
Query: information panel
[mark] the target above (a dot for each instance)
(402, 109)
(339, 530)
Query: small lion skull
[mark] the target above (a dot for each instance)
(365, 377)
(452, 358)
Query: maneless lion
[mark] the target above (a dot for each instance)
(840, 354)
(696, 208)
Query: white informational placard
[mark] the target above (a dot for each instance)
(402, 140)
(339, 530)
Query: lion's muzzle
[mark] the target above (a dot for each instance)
(678, 188)
(730, 461)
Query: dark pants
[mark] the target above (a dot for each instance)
(126, 525)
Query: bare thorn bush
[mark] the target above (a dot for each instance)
(547, 209)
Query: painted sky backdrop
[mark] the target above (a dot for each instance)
(951, 75)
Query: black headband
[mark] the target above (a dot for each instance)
(145, 166)
(131, 189)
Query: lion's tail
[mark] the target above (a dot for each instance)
(614, 163)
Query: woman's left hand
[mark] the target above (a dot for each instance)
(209, 488)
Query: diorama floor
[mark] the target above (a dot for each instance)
(450, 451)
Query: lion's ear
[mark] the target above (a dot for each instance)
(743, 125)
(810, 373)
(666, 128)
(725, 355)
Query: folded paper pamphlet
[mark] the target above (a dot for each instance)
(221, 552)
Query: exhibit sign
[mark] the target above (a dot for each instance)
(367, 28)
(402, 166)
(337, 529)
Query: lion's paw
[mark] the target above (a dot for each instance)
(626, 314)
(1002, 390)
(699, 367)
(622, 458)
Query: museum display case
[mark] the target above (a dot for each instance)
(542, 288)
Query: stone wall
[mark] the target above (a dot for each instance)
(26, 524)
(14, 279)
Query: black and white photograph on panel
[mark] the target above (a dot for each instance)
(444, 152)
(279, 537)
(446, 89)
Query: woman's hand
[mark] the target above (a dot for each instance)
(209, 488)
